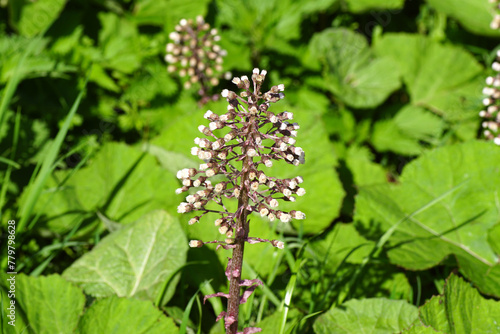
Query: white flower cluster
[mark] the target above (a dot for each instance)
(235, 137)
(195, 54)
(491, 114)
(495, 23)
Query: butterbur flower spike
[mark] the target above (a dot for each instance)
(194, 54)
(237, 147)
(495, 23)
(490, 114)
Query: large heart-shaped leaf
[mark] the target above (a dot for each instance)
(404, 133)
(167, 13)
(446, 203)
(119, 41)
(460, 309)
(121, 182)
(359, 6)
(342, 244)
(442, 78)
(474, 15)
(33, 17)
(376, 315)
(352, 73)
(46, 304)
(269, 23)
(115, 315)
(134, 261)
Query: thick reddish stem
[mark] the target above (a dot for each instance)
(241, 231)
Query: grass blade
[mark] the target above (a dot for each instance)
(5, 182)
(187, 311)
(384, 238)
(161, 295)
(47, 165)
(15, 79)
(285, 305)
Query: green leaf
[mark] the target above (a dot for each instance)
(461, 309)
(352, 73)
(443, 78)
(269, 24)
(364, 171)
(420, 329)
(22, 57)
(458, 223)
(45, 304)
(360, 6)
(376, 315)
(152, 81)
(171, 161)
(167, 13)
(342, 243)
(33, 192)
(119, 40)
(387, 137)
(100, 77)
(318, 172)
(272, 323)
(121, 182)
(403, 133)
(134, 261)
(494, 238)
(115, 315)
(321, 182)
(33, 17)
(475, 16)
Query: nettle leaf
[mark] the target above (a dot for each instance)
(238, 53)
(46, 304)
(33, 17)
(119, 40)
(442, 78)
(167, 13)
(461, 309)
(151, 82)
(351, 72)
(376, 315)
(269, 23)
(360, 6)
(475, 16)
(445, 204)
(406, 130)
(38, 63)
(115, 315)
(121, 182)
(134, 261)
(34, 138)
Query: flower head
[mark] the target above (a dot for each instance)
(194, 53)
(239, 146)
(490, 114)
(250, 133)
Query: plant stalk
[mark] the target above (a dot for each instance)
(241, 231)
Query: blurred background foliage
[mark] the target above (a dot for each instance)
(93, 129)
